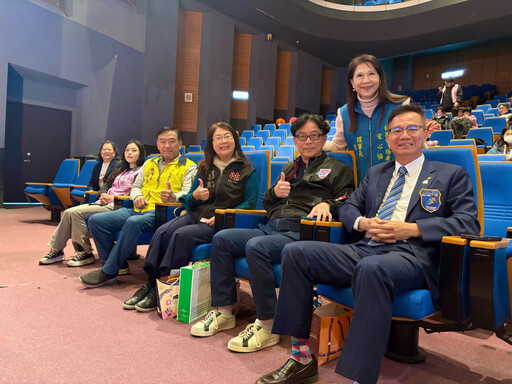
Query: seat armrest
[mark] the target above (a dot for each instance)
(122, 201)
(46, 184)
(329, 231)
(490, 290)
(509, 232)
(165, 212)
(244, 218)
(91, 196)
(78, 186)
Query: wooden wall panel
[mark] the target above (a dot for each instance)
(240, 73)
(491, 63)
(187, 70)
(282, 80)
(325, 96)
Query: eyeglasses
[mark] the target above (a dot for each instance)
(411, 130)
(219, 138)
(313, 136)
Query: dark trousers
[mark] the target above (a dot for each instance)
(172, 244)
(377, 275)
(262, 247)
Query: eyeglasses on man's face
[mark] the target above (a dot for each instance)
(219, 138)
(314, 136)
(411, 130)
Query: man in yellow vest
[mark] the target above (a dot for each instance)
(162, 179)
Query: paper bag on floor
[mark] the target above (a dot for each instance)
(329, 327)
(195, 292)
(168, 289)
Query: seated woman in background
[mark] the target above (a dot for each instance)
(504, 143)
(109, 161)
(442, 118)
(361, 123)
(504, 110)
(224, 179)
(72, 225)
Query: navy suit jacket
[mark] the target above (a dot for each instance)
(456, 214)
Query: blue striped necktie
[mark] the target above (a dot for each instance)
(388, 206)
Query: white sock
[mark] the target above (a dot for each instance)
(226, 310)
(265, 324)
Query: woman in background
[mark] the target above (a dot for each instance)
(73, 223)
(361, 123)
(504, 143)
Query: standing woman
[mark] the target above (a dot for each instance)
(109, 161)
(361, 123)
(72, 225)
(224, 179)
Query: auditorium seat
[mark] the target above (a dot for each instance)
(45, 193)
(280, 133)
(194, 148)
(485, 134)
(443, 137)
(479, 114)
(496, 123)
(287, 128)
(274, 141)
(270, 127)
(484, 107)
(411, 307)
(264, 134)
(286, 151)
(268, 148)
(247, 135)
(429, 114)
(494, 103)
(256, 142)
(493, 111)
(79, 186)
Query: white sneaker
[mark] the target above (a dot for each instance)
(81, 258)
(53, 256)
(252, 339)
(213, 322)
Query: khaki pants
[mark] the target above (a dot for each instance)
(72, 226)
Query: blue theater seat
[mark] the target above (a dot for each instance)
(443, 137)
(45, 193)
(79, 187)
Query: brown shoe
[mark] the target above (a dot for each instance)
(292, 372)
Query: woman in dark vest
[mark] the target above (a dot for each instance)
(224, 179)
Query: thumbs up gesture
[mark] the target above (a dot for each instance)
(167, 195)
(201, 193)
(282, 187)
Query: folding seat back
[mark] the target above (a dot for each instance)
(484, 107)
(269, 149)
(79, 187)
(494, 103)
(264, 134)
(270, 127)
(247, 148)
(196, 157)
(443, 137)
(486, 157)
(493, 111)
(287, 151)
(348, 158)
(496, 123)
(242, 141)
(287, 127)
(203, 144)
(276, 168)
(247, 135)
(255, 127)
(194, 148)
(280, 133)
(497, 202)
(484, 134)
(289, 141)
(274, 141)
(479, 114)
(256, 142)
(429, 114)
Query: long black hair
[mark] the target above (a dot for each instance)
(125, 165)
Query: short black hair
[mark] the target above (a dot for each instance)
(166, 128)
(303, 119)
(408, 108)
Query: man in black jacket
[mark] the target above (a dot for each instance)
(313, 185)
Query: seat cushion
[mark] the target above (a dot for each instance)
(415, 304)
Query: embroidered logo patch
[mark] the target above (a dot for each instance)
(430, 199)
(234, 176)
(323, 173)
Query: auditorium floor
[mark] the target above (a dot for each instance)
(53, 330)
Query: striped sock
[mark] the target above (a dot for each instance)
(300, 350)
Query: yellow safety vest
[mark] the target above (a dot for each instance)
(155, 182)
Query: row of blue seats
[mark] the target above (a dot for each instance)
(370, 3)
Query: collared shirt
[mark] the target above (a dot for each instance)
(411, 178)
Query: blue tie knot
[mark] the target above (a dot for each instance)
(402, 170)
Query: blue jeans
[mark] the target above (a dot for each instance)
(262, 248)
(104, 227)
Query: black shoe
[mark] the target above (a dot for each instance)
(96, 279)
(139, 295)
(134, 256)
(148, 303)
(292, 372)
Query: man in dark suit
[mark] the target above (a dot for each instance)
(401, 211)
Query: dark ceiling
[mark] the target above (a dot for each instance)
(336, 36)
